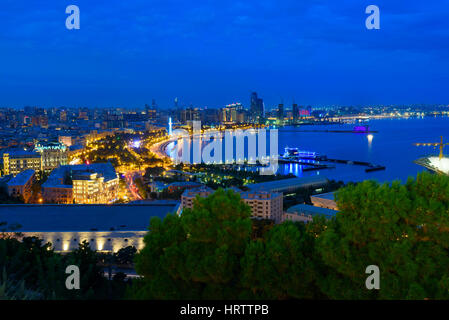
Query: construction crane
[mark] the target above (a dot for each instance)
(436, 144)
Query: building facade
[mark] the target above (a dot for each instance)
(264, 205)
(53, 154)
(106, 228)
(189, 195)
(305, 213)
(15, 162)
(21, 185)
(96, 183)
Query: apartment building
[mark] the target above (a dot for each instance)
(53, 154)
(21, 185)
(190, 194)
(95, 183)
(264, 205)
(17, 161)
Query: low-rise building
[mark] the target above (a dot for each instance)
(106, 228)
(190, 194)
(21, 185)
(264, 205)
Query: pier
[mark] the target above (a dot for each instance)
(312, 166)
(371, 167)
(318, 166)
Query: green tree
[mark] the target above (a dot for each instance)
(402, 228)
(92, 283)
(283, 265)
(196, 255)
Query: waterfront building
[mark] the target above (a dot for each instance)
(232, 113)
(256, 107)
(190, 114)
(82, 184)
(280, 112)
(151, 111)
(53, 154)
(21, 185)
(295, 112)
(17, 161)
(107, 228)
(305, 111)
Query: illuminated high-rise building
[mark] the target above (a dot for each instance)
(256, 107)
(295, 111)
(281, 111)
(151, 111)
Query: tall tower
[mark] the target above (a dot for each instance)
(256, 107)
(170, 127)
(295, 111)
(281, 111)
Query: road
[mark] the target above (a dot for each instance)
(129, 179)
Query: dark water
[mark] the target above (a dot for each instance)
(392, 147)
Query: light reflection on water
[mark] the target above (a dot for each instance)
(392, 146)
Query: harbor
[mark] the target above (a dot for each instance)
(313, 160)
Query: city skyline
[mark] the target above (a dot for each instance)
(215, 54)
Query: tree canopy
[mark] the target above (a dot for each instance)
(210, 251)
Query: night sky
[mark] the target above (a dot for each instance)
(211, 53)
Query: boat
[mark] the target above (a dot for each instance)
(361, 129)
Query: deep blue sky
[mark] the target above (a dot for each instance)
(211, 53)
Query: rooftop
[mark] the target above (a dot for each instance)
(21, 178)
(194, 191)
(78, 218)
(288, 183)
(57, 176)
(257, 194)
(19, 153)
(327, 196)
(311, 210)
